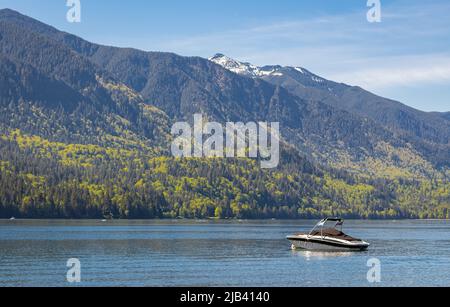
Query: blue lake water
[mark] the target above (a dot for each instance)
(214, 253)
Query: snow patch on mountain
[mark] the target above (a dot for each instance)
(300, 70)
(249, 70)
(235, 66)
(318, 80)
(245, 69)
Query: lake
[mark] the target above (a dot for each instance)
(217, 253)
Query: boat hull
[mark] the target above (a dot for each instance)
(326, 244)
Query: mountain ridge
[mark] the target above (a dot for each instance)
(85, 133)
(424, 129)
(182, 86)
(333, 88)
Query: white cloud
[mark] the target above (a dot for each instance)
(388, 72)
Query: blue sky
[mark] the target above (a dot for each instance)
(405, 57)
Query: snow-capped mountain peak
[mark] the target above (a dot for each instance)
(268, 72)
(245, 69)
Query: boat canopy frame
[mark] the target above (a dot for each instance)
(321, 224)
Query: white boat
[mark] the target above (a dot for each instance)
(327, 239)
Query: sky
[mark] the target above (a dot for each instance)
(405, 57)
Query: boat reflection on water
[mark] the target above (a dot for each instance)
(320, 255)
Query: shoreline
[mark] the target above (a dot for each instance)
(212, 220)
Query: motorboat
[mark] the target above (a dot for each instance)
(321, 238)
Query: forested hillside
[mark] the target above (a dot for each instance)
(43, 179)
(85, 133)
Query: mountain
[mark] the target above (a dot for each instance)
(245, 69)
(446, 116)
(85, 132)
(182, 86)
(50, 90)
(429, 133)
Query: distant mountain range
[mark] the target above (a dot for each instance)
(66, 90)
(428, 133)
